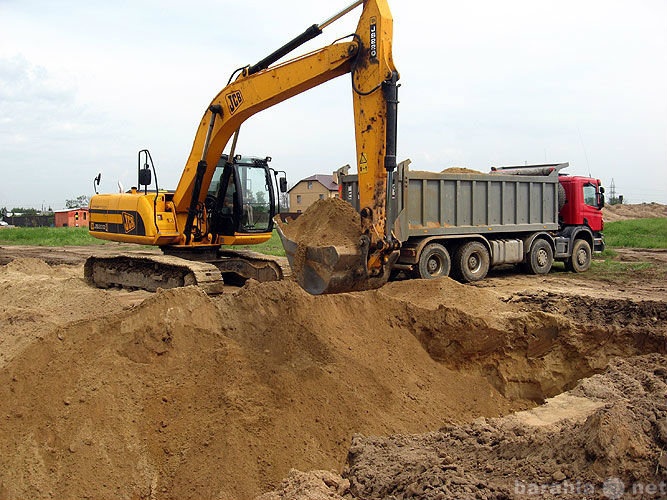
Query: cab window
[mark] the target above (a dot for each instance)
(590, 195)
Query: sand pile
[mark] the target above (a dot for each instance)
(460, 170)
(189, 396)
(331, 221)
(324, 248)
(38, 299)
(192, 396)
(617, 439)
(612, 213)
(605, 437)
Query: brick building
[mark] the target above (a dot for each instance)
(72, 217)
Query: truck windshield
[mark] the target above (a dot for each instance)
(254, 184)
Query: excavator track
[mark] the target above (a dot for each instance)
(151, 272)
(247, 264)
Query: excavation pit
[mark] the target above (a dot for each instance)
(185, 395)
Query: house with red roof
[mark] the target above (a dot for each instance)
(307, 191)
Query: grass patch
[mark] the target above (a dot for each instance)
(271, 247)
(607, 268)
(637, 233)
(47, 236)
(79, 236)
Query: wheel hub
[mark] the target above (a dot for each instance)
(581, 257)
(542, 258)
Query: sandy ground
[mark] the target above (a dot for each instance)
(519, 385)
(612, 213)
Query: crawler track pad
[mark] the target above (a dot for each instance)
(151, 272)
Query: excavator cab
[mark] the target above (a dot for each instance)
(241, 198)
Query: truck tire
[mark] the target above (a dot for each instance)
(471, 262)
(580, 260)
(434, 262)
(540, 258)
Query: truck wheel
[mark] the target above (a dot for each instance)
(541, 257)
(471, 262)
(581, 257)
(434, 262)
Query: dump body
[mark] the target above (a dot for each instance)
(466, 222)
(437, 204)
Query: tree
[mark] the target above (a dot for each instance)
(80, 201)
(24, 211)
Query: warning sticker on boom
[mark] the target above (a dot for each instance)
(363, 163)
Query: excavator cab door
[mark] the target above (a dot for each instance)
(224, 217)
(244, 200)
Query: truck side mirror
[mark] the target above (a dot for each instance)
(601, 199)
(144, 177)
(283, 184)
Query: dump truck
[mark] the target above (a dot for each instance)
(463, 223)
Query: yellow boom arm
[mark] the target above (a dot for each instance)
(368, 57)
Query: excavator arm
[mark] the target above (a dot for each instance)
(177, 222)
(368, 58)
(247, 95)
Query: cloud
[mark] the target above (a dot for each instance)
(84, 86)
(37, 109)
(43, 127)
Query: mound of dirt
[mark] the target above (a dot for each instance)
(197, 396)
(38, 299)
(602, 439)
(460, 170)
(29, 266)
(612, 213)
(327, 222)
(181, 395)
(620, 441)
(330, 221)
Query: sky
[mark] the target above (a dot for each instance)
(85, 85)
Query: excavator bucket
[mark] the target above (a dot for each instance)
(325, 269)
(330, 269)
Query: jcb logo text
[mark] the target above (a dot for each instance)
(234, 100)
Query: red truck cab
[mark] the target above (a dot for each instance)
(584, 199)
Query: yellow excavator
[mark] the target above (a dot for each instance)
(224, 200)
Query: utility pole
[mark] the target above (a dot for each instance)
(613, 198)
